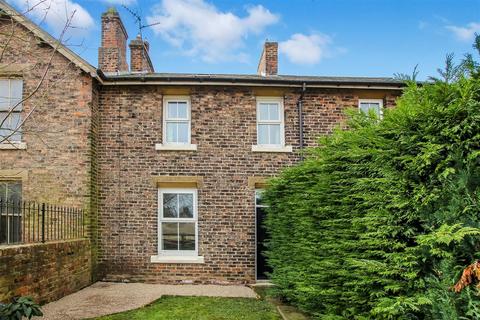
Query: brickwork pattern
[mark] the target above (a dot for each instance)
(268, 64)
(224, 128)
(112, 55)
(56, 163)
(46, 272)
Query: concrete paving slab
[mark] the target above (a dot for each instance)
(104, 298)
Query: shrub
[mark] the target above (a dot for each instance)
(380, 220)
(20, 308)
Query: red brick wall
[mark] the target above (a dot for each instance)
(112, 54)
(224, 128)
(56, 164)
(46, 272)
(268, 64)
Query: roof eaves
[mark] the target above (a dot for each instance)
(45, 36)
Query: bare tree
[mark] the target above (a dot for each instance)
(15, 48)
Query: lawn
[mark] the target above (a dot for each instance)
(201, 308)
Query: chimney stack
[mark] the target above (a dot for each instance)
(268, 65)
(139, 57)
(112, 55)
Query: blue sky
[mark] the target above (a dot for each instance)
(316, 37)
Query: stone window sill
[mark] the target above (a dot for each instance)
(177, 259)
(13, 146)
(175, 147)
(257, 148)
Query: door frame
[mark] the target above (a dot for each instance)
(257, 190)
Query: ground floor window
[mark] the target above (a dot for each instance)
(178, 222)
(10, 211)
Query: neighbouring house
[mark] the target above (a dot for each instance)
(169, 166)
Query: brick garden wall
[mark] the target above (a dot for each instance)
(224, 128)
(46, 272)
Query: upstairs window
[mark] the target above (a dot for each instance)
(11, 91)
(176, 124)
(270, 124)
(376, 105)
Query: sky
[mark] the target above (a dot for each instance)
(374, 38)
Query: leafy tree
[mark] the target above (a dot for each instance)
(380, 220)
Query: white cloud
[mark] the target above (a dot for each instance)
(199, 28)
(466, 33)
(55, 14)
(306, 49)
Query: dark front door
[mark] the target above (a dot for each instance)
(262, 267)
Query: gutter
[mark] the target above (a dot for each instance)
(237, 82)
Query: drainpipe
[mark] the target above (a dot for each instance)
(300, 119)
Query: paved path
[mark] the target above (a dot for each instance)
(104, 298)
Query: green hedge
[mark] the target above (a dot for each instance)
(380, 220)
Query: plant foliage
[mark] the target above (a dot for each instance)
(20, 308)
(381, 219)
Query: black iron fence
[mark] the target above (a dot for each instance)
(30, 222)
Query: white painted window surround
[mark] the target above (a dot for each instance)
(270, 126)
(365, 105)
(177, 226)
(11, 94)
(176, 126)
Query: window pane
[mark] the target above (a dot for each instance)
(258, 197)
(171, 110)
(3, 191)
(262, 134)
(169, 236)
(182, 110)
(263, 111)
(187, 236)
(170, 205)
(177, 110)
(172, 135)
(3, 132)
(4, 95)
(367, 106)
(186, 205)
(274, 134)
(14, 191)
(274, 111)
(3, 229)
(15, 121)
(16, 93)
(15, 228)
(182, 133)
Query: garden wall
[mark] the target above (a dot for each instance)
(44, 271)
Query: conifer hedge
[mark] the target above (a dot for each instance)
(380, 220)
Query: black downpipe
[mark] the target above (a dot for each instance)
(300, 119)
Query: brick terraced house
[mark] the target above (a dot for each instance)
(169, 166)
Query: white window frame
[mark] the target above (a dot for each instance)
(177, 255)
(13, 144)
(188, 146)
(271, 147)
(379, 101)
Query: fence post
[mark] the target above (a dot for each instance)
(43, 222)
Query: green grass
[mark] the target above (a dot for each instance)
(201, 308)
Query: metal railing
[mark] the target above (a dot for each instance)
(31, 222)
